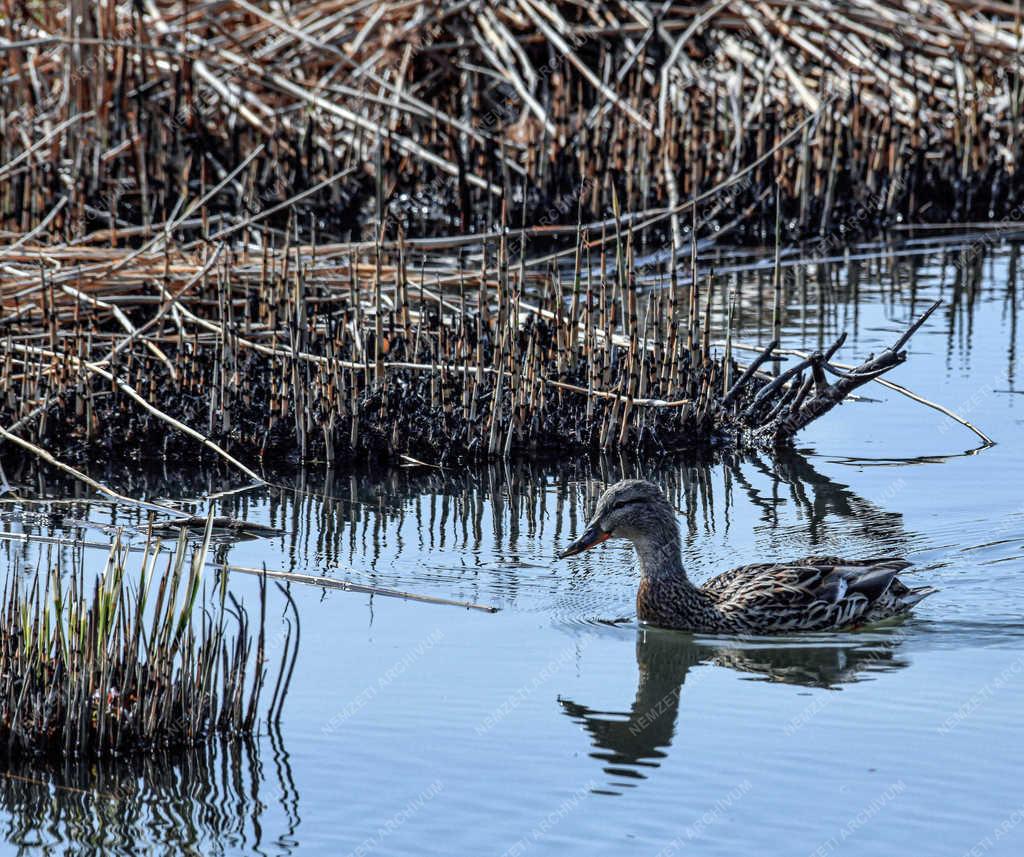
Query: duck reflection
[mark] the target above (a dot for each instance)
(208, 801)
(630, 743)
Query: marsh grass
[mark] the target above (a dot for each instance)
(131, 660)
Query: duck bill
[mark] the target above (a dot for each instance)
(593, 535)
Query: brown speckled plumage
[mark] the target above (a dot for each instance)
(813, 594)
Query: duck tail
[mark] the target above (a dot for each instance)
(916, 594)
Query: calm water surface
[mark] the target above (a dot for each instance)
(558, 725)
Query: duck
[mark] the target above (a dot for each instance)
(817, 593)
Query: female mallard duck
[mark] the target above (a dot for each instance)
(812, 594)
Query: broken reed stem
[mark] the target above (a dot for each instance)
(349, 586)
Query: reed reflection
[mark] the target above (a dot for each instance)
(483, 533)
(213, 800)
(507, 507)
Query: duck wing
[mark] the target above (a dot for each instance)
(814, 593)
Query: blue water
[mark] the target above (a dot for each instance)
(558, 725)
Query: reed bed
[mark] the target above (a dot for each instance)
(428, 116)
(95, 666)
(291, 357)
(344, 231)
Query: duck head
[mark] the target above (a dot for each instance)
(632, 509)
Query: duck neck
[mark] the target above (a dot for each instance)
(659, 557)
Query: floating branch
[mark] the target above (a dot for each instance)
(784, 422)
(863, 374)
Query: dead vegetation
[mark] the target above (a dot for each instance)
(345, 230)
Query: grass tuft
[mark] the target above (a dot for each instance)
(124, 663)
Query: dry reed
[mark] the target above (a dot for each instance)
(313, 234)
(115, 117)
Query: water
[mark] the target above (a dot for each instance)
(557, 725)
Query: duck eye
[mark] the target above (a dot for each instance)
(623, 503)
